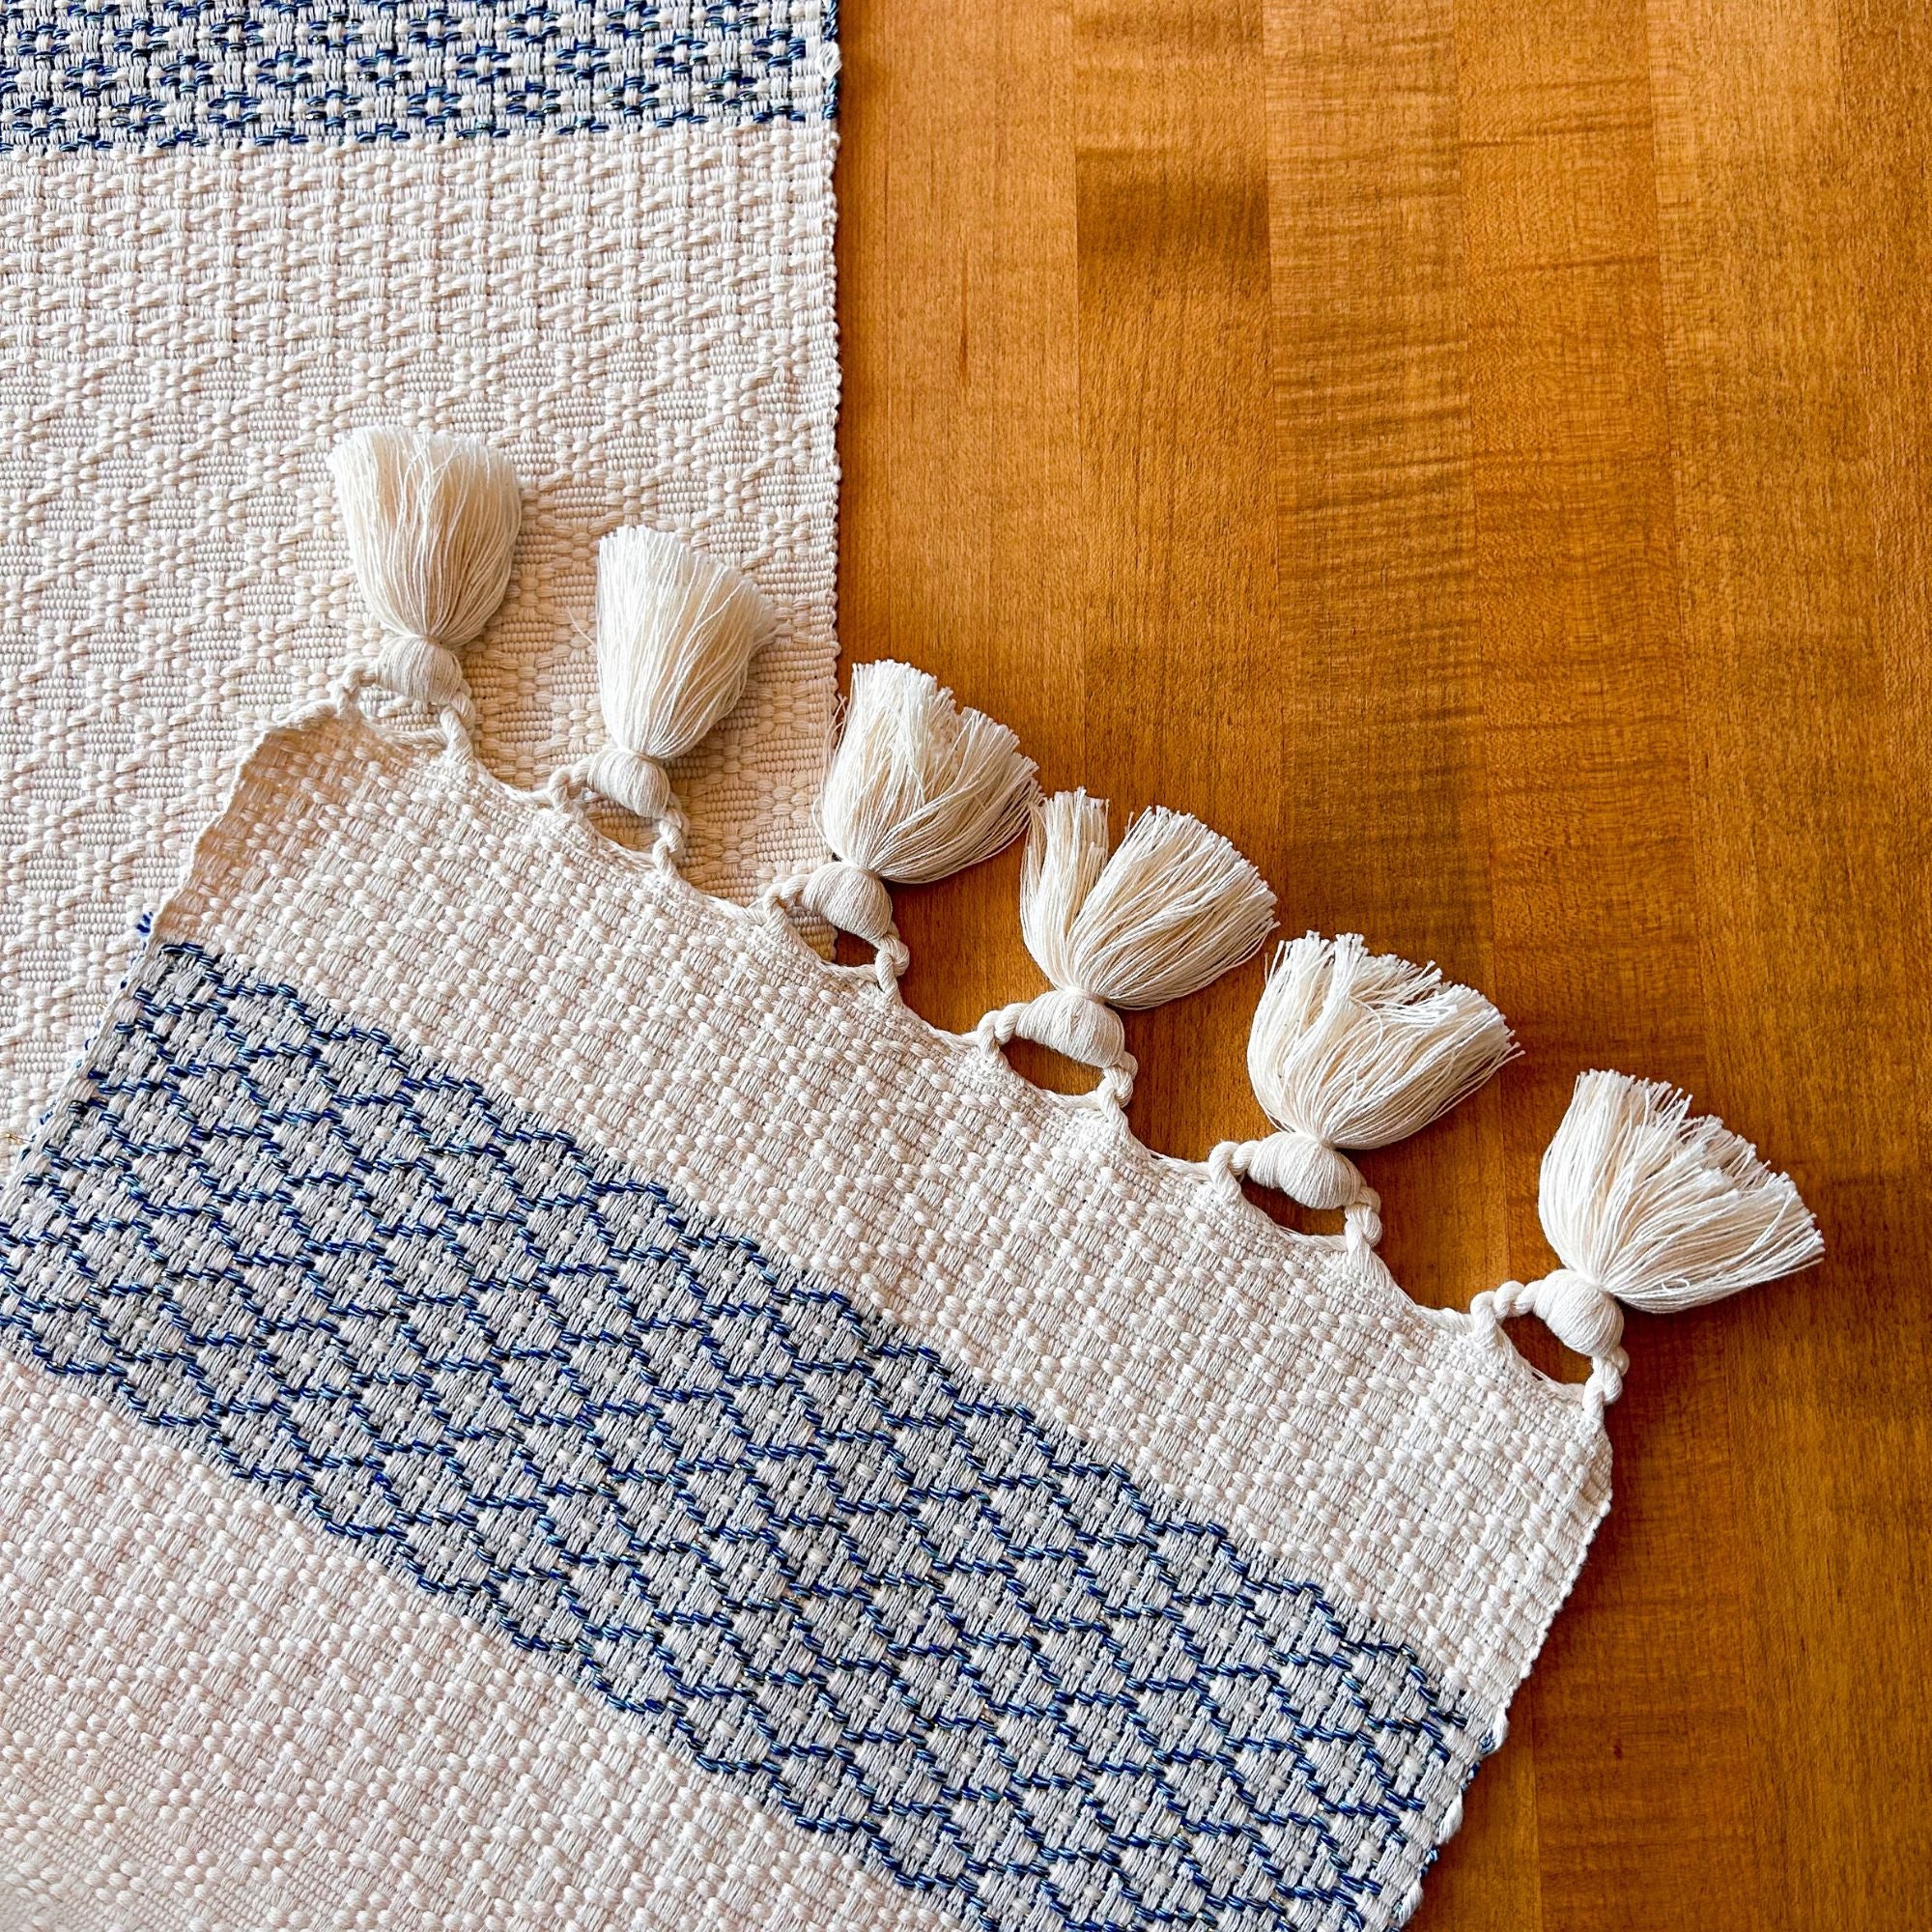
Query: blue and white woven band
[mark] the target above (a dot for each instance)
(1026, 1529)
(101, 73)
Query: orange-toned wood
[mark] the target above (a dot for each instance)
(1476, 453)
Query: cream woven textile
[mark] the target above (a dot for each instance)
(749, 1405)
(228, 236)
(530, 1398)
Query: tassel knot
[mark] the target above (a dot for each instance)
(1355, 1049)
(850, 899)
(1173, 907)
(1573, 1308)
(418, 668)
(1073, 1023)
(639, 783)
(1651, 1207)
(432, 525)
(1305, 1169)
(1069, 1022)
(676, 634)
(918, 789)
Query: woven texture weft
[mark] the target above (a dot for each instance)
(229, 236)
(749, 1412)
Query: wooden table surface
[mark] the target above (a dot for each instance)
(1475, 453)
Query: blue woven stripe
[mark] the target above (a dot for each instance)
(799, 1547)
(100, 73)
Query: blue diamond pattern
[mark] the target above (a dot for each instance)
(105, 74)
(797, 1546)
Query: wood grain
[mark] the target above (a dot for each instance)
(1477, 455)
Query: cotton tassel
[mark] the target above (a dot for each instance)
(432, 523)
(1173, 907)
(918, 789)
(1651, 1208)
(1355, 1049)
(676, 633)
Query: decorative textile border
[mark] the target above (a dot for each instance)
(1429, 1477)
(105, 73)
(794, 1543)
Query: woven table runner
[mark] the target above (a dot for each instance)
(598, 234)
(530, 1398)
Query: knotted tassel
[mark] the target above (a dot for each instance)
(676, 633)
(432, 523)
(1651, 1208)
(1356, 1049)
(919, 788)
(1175, 907)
